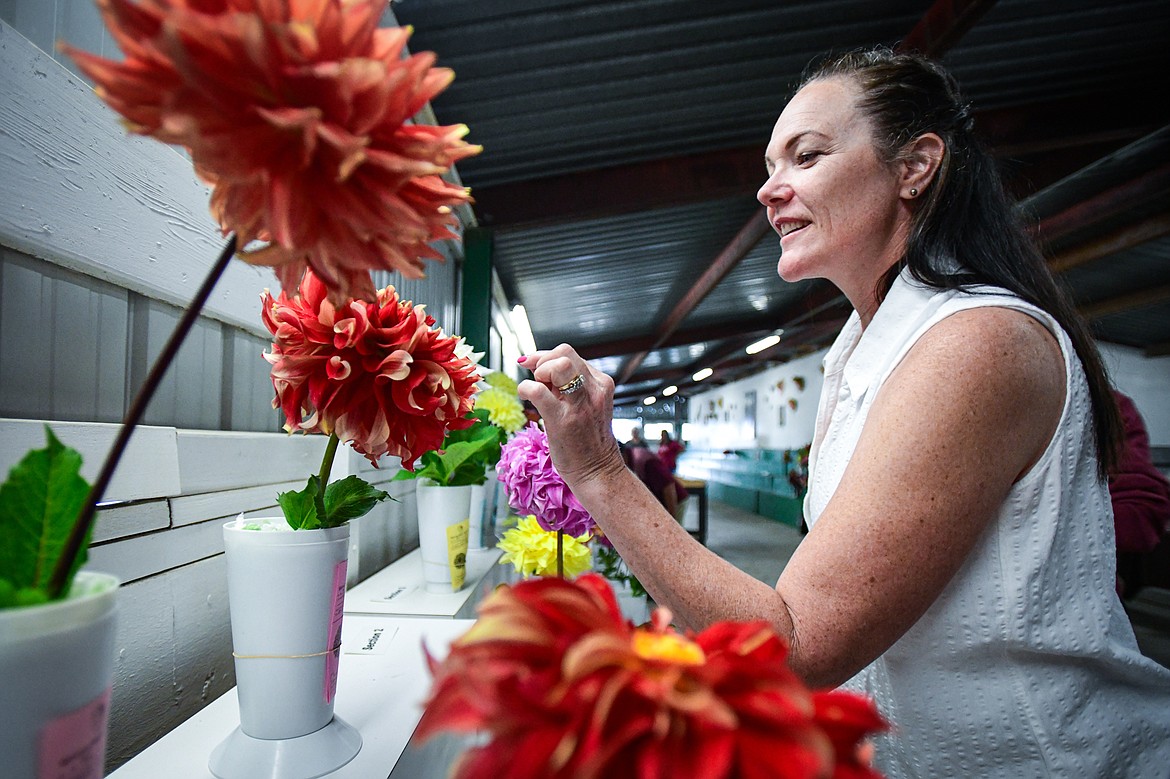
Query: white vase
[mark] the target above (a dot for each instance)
(475, 517)
(286, 594)
(56, 669)
(443, 525)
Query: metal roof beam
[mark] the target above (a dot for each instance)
(1127, 237)
(943, 25)
(1105, 206)
(1129, 302)
(743, 242)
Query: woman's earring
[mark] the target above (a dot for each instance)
(913, 192)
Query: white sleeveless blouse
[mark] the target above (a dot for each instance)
(1026, 665)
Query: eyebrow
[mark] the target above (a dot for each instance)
(795, 140)
(800, 135)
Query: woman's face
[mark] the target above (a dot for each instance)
(833, 202)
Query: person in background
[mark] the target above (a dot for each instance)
(669, 450)
(636, 439)
(1141, 500)
(652, 471)
(959, 566)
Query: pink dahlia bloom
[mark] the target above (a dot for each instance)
(378, 374)
(534, 486)
(296, 113)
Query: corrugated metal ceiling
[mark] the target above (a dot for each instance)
(623, 146)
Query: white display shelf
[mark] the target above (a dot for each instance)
(382, 684)
(398, 588)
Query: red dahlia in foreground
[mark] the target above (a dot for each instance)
(379, 375)
(565, 687)
(295, 112)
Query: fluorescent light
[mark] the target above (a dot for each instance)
(762, 344)
(702, 374)
(668, 391)
(523, 330)
(650, 401)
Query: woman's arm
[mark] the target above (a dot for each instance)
(969, 410)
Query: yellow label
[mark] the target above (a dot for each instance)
(457, 552)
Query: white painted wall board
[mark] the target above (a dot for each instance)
(25, 345)
(250, 392)
(212, 460)
(149, 468)
(135, 558)
(121, 208)
(79, 23)
(174, 654)
(74, 369)
(34, 18)
(130, 519)
(189, 394)
(191, 509)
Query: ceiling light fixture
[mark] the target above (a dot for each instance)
(763, 343)
(700, 375)
(668, 391)
(650, 401)
(523, 329)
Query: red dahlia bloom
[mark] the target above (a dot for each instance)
(566, 688)
(296, 113)
(378, 374)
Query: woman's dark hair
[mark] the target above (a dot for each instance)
(965, 231)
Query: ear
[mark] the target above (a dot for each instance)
(920, 163)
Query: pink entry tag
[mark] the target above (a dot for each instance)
(73, 746)
(336, 611)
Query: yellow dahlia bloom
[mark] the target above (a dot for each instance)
(505, 410)
(532, 550)
(502, 382)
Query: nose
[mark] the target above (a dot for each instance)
(774, 191)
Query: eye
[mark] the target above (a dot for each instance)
(806, 158)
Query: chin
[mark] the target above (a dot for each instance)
(792, 270)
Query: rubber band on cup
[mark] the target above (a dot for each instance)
(287, 657)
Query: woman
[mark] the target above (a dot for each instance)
(959, 566)
(669, 450)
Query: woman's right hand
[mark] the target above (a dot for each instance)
(578, 423)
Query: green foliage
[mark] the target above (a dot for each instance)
(613, 567)
(465, 455)
(343, 500)
(39, 503)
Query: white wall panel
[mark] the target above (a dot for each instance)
(149, 468)
(122, 208)
(26, 345)
(174, 654)
(62, 343)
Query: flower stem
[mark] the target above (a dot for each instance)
(85, 518)
(323, 478)
(560, 554)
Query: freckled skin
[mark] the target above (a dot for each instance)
(970, 408)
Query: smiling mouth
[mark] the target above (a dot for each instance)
(788, 228)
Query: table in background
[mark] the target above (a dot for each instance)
(381, 685)
(698, 488)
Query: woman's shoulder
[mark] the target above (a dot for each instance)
(994, 338)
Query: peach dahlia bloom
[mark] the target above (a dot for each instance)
(297, 113)
(565, 687)
(379, 375)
